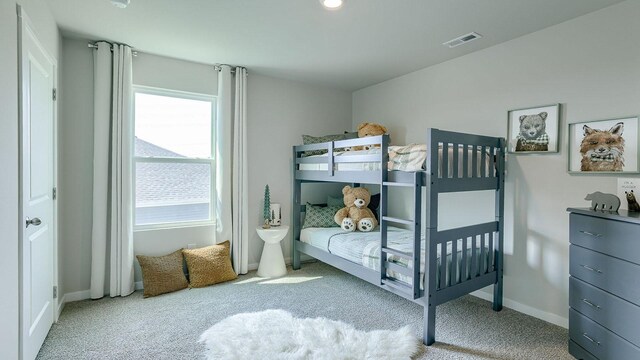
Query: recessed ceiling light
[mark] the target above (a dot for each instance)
(332, 4)
(120, 3)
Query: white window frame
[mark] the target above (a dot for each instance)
(139, 89)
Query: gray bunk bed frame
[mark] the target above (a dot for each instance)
(471, 274)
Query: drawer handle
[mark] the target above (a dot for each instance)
(591, 269)
(591, 304)
(590, 233)
(591, 339)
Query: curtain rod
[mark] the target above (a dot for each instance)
(216, 67)
(94, 46)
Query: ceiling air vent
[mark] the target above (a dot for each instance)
(462, 39)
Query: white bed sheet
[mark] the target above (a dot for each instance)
(364, 248)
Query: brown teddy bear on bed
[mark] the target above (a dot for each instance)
(356, 214)
(368, 129)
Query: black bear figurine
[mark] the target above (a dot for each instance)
(633, 203)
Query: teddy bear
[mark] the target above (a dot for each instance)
(356, 214)
(369, 129)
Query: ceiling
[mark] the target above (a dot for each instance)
(364, 43)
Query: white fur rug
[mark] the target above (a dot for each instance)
(276, 334)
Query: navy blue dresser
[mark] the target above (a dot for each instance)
(604, 285)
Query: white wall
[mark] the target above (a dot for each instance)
(76, 159)
(279, 112)
(585, 64)
(9, 181)
(47, 32)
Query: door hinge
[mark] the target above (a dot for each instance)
(55, 94)
(55, 193)
(55, 292)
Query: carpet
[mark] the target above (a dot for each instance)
(167, 327)
(276, 334)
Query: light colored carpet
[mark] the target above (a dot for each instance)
(168, 326)
(276, 334)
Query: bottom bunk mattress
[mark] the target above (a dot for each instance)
(364, 249)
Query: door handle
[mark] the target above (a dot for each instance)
(35, 221)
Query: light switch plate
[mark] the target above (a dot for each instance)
(627, 184)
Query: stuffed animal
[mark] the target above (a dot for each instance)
(356, 214)
(369, 129)
(631, 200)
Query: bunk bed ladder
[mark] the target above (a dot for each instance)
(401, 288)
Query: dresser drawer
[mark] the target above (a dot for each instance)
(615, 238)
(616, 276)
(615, 314)
(599, 341)
(579, 353)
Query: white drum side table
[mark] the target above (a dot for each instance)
(272, 260)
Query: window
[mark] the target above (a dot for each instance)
(173, 158)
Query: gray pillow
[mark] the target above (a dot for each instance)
(351, 135)
(308, 140)
(335, 201)
(320, 216)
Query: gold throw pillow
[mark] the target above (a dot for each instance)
(209, 265)
(162, 274)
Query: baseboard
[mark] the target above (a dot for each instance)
(77, 296)
(61, 303)
(526, 309)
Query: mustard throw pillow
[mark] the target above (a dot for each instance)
(209, 265)
(162, 274)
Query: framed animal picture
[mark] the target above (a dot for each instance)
(534, 130)
(604, 146)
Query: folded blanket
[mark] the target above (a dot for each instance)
(407, 158)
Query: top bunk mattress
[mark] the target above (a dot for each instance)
(408, 158)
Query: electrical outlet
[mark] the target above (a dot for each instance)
(191, 246)
(627, 184)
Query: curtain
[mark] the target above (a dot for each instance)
(112, 229)
(231, 166)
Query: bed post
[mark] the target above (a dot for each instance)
(295, 218)
(499, 247)
(431, 224)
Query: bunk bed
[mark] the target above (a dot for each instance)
(429, 268)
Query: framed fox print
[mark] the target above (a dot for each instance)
(604, 146)
(534, 130)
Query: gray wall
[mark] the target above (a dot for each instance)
(279, 111)
(587, 64)
(47, 32)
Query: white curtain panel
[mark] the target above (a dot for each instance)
(240, 248)
(112, 233)
(231, 166)
(224, 156)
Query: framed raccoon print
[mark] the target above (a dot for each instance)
(534, 130)
(604, 146)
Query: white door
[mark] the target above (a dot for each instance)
(37, 71)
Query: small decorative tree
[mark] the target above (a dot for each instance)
(266, 213)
